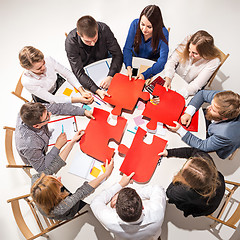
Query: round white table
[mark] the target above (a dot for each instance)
(163, 173)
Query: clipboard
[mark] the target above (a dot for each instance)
(98, 72)
(69, 124)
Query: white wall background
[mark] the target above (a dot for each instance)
(43, 24)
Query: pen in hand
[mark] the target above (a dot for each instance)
(62, 129)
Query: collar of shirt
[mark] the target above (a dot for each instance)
(32, 74)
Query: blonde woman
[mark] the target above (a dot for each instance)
(198, 188)
(43, 76)
(195, 60)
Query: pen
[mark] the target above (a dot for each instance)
(97, 102)
(62, 129)
(99, 99)
(159, 161)
(131, 131)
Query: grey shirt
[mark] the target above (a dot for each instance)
(69, 206)
(32, 143)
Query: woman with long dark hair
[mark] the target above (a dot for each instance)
(147, 38)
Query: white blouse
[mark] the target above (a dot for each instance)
(195, 74)
(43, 85)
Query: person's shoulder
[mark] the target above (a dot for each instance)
(102, 26)
(134, 23)
(215, 61)
(72, 36)
(49, 60)
(165, 31)
(72, 33)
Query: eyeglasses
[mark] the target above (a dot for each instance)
(47, 118)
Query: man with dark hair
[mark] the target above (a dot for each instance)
(222, 120)
(32, 134)
(89, 42)
(129, 205)
(132, 214)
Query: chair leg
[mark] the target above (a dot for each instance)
(27, 171)
(45, 235)
(214, 224)
(233, 154)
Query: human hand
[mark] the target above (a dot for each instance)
(106, 82)
(186, 119)
(129, 73)
(89, 114)
(167, 83)
(78, 136)
(86, 100)
(155, 100)
(109, 168)
(140, 76)
(86, 94)
(174, 129)
(126, 179)
(164, 153)
(102, 93)
(61, 141)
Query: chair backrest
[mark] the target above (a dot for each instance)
(45, 224)
(223, 59)
(18, 90)
(231, 187)
(9, 152)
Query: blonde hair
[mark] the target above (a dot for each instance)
(228, 103)
(46, 193)
(29, 55)
(199, 174)
(204, 44)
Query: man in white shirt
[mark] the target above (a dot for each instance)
(132, 214)
(44, 75)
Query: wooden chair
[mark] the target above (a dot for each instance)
(9, 152)
(223, 59)
(235, 217)
(18, 90)
(233, 154)
(45, 224)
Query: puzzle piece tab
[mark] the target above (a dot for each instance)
(168, 110)
(141, 158)
(99, 133)
(124, 93)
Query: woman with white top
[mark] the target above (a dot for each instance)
(195, 60)
(43, 76)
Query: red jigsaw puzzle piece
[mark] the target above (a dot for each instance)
(141, 158)
(124, 93)
(168, 110)
(99, 133)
